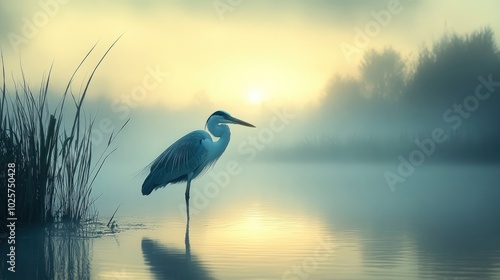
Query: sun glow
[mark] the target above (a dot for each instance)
(255, 96)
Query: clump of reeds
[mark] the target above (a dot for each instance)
(55, 163)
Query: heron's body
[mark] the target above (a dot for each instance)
(199, 152)
(189, 156)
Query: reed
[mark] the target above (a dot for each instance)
(55, 162)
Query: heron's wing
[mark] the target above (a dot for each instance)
(186, 155)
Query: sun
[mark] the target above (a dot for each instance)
(255, 97)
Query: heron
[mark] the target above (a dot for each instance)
(192, 154)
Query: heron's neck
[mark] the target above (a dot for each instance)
(223, 133)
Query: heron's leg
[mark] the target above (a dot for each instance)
(186, 242)
(187, 190)
(186, 195)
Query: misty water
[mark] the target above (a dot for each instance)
(288, 221)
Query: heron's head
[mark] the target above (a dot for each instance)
(224, 117)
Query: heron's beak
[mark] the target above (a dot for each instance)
(238, 121)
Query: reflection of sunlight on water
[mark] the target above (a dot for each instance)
(258, 241)
(255, 224)
(249, 239)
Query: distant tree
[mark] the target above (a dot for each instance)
(391, 101)
(383, 74)
(448, 71)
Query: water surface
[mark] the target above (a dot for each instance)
(299, 221)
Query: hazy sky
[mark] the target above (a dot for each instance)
(234, 55)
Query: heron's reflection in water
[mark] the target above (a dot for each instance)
(171, 263)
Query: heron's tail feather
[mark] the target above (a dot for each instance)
(150, 184)
(156, 180)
